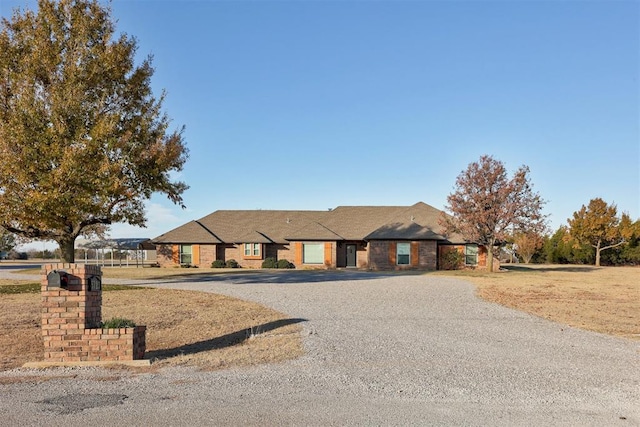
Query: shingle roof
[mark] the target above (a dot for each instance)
(417, 222)
(314, 231)
(192, 232)
(265, 226)
(356, 222)
(404, 231)
(253, 237)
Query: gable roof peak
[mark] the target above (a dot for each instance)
(422, 204)
(189, 233)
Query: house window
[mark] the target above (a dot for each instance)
(403, 253)
(313, 253)
(253, 250)
(185, 254)
(471, 254)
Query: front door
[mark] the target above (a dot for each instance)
(351, 255)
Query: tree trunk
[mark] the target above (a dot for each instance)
(490, 258)
(67, 249)
(598, 254)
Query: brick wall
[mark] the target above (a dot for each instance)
(330, 254)
(207, 255)
(382, 255)
(374, 255)
(362, 256)
(250, 261)
(428, 254)
(277, 251)
(71, 321)
(96, 345)
(284, 252)
(221, 252)
(202, 255)
(164, 255)
(379, 255)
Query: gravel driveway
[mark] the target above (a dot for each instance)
(381, 350)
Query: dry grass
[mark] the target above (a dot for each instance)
(183, 327)
(11, 282)
(605, 300)
(208, 330)
(21, 340)
(145, 273)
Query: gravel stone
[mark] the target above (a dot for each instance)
(382, 349)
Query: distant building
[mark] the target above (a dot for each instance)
(137, 250)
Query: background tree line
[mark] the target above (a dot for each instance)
(505, 215)
(595, 235)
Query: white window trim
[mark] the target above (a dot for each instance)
(304, 259)
(407, 254)
(252, 250)
(466, 247)
(182, 254)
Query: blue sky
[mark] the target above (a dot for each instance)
(316, 104)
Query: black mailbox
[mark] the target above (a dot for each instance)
(94, 283)
(58, 279)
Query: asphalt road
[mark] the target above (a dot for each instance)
(381, 350)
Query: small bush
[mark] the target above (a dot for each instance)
(218, 264)
(452, 260)
(269, 263)
(117, 323)
(283, 263)
(232, 263)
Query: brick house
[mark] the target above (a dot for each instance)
(366, 237)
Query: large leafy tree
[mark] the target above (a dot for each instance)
(630, 252)
(561, 248)
(527, 244)
(599, 226)
(487, 206)
(7, 240)
(83, 140)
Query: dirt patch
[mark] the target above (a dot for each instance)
(605, 300)
(183, 327)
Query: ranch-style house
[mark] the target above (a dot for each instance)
(365, 237)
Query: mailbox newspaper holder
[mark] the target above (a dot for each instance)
(94, 283)
(58, 279)
(72, 328)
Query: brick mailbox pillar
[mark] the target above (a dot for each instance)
(72, 317)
